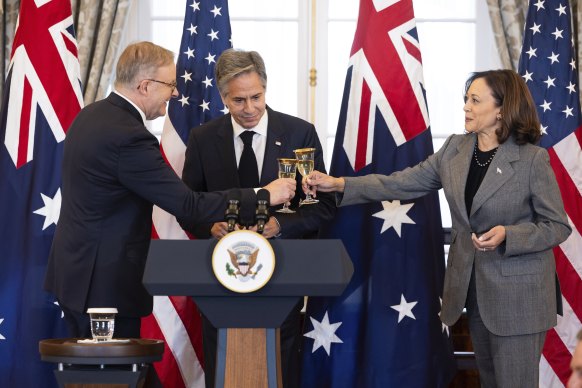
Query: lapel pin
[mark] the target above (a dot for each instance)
(278, 143)
(499, 171)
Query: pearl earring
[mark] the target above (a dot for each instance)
(498, 117)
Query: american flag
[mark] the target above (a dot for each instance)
(384, 331)
(548, 66)
(42, 97)
(206, 34)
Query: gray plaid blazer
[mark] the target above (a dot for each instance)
(515, 284)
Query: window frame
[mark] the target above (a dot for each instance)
(312, 19)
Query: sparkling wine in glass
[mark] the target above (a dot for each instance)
(305, 164)
(287, 169)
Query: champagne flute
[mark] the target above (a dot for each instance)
(305, 163)
(287, 169)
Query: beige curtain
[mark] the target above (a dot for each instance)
(99, 25)
(508, 20)
(7, 26)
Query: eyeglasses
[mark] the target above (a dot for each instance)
(171, 85)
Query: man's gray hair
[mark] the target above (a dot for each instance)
(233, 63)
(141, 59)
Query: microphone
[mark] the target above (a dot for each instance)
(232, 210)
(262, 212)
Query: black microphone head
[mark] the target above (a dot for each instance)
(231, 214)
(233, 202)
(233, 195)
(264, 195)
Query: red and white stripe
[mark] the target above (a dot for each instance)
(566, 160)
(175, 319)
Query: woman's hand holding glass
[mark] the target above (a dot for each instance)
(305, 164)
(318, 181)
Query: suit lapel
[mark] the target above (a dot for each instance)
(499, 172)
(276, 142)
(459, 171)
(225, 146)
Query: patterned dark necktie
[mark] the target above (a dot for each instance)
(248, 172)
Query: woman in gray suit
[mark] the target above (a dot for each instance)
(507, 216)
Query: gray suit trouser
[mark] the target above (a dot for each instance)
(503, 361)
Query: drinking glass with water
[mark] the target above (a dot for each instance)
(102, 323)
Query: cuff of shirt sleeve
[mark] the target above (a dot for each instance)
(279, 225)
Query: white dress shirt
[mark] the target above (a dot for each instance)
(259, 141)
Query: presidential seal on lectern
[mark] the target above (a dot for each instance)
(243, 261)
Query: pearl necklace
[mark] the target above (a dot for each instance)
(488, 160)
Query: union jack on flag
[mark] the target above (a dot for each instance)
(42, 97)
(548, 66)
(206, 34)
(384, 331)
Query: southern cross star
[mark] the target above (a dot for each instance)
(51, 209)
(394, 215)
(323, 334)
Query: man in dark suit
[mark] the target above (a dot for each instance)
(112, 173)
(214, 160)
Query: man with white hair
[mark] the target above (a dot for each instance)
(113, 173)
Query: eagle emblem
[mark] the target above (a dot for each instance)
(243, 256)
(243, 261)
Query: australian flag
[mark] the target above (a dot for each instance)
(384, 331)
(42, 96)
(548, 66)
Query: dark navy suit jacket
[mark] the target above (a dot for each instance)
(211, 165)
(112, 173)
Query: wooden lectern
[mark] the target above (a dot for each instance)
(248, 350)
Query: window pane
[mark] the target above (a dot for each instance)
(445, 211)
(343, 9)
(167, 34)
(330, 144)
(279, 51)
(426, 9)
(341, 36)
(444, 9)
(258, 9)
(174, 8)
(444, 83)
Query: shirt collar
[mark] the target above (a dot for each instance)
(261, 127)
(141, 113)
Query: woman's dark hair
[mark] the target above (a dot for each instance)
(519, 117)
